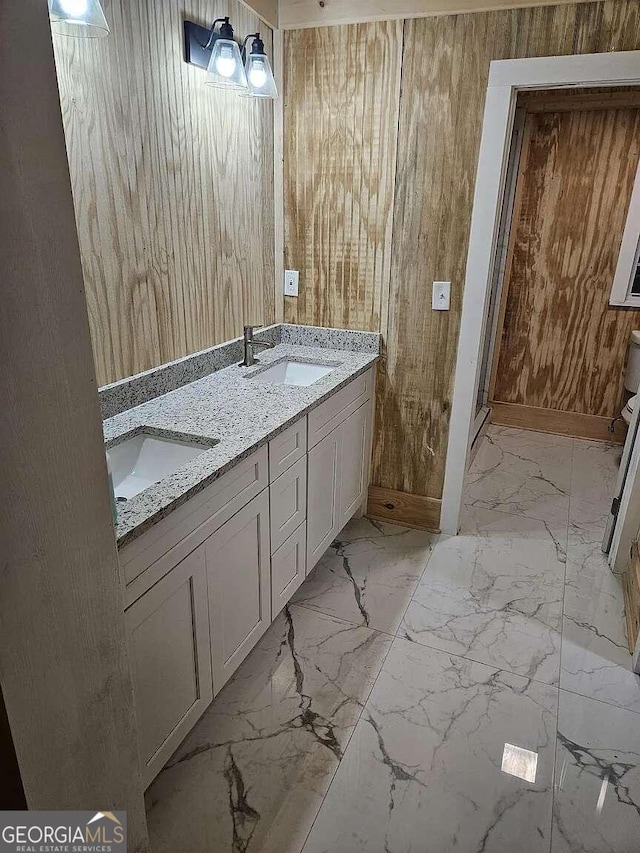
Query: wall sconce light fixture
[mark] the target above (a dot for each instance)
(260, 77)
(79, 18)
(229, 67)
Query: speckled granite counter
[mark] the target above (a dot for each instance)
(240, 413)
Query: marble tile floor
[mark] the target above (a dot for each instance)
(426, 694)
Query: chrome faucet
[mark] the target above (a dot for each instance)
(250, 345)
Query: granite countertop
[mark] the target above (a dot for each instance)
(242, 415)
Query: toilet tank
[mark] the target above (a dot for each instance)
(632, 373)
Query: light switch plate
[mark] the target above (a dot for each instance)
(291, 282)
(441, 299)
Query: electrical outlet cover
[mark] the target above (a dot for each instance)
(291, 282)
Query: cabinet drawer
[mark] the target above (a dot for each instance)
(288, 503)
(287, 448)
(168, 638)
(288, 569)
(162, 547)
(337, 408)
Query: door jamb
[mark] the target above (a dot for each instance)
(506, 78)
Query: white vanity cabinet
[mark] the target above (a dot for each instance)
(204, 583)
(168, 633)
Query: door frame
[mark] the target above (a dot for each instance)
(506, 78)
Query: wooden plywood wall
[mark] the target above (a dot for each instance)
(341, 139)
(172, 184)
(562, 347)
(444, 73)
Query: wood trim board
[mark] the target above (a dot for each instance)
(508, 267)
(266, 10)
(574, 424)
(558, 101)
(300, 14)
(417, 511)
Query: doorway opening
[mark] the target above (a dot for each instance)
(517, 107)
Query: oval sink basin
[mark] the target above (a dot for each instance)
(293, 373)
(145, 459)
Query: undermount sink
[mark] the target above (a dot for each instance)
(293, 373)
(144, 459)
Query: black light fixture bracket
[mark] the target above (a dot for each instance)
(256, 48)
(199, 41)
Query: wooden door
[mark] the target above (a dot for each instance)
(323, 495)
(168, 632)
(354, 462)
(561, 348)
(239, 581)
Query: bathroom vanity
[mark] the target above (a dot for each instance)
(210, 555)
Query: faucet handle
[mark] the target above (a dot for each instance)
(252, 328)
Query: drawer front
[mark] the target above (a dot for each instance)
(288, 503)
(162, 547)
(286, 448)
(288, 569)
(337, 408)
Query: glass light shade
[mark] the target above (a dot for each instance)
(79, 18)
(260, 76)
(225, 69)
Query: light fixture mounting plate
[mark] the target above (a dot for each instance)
(195, 39)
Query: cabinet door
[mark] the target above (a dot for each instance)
(288, 569)
(239, 582)
(168, 633)
(323, 496)
(288, 503)
(354, 461)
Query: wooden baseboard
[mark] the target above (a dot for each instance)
(573, 424)
(403, 508)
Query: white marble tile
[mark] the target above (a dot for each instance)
(595, 654)
(366, 579)
(522, 472)
(252, 774)
(597, 778)
(494, 595)
(423, 770)
(362, 535)
(593, 479)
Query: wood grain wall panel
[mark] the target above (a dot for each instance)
(341, 117)
(562, 346)
(311, 13)
(445, 66)
(173, 187)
